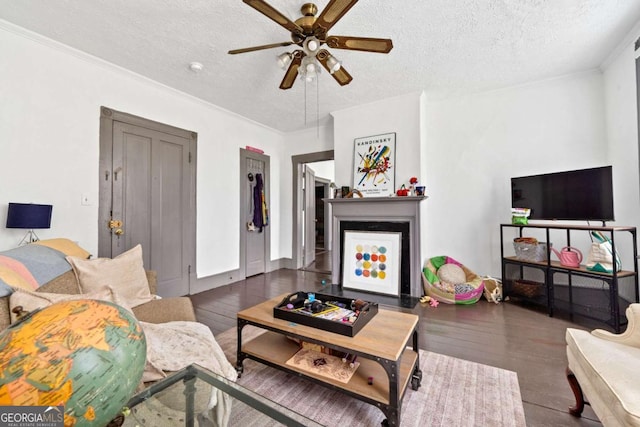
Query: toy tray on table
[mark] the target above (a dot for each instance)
(330, 318)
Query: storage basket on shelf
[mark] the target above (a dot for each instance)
(529, 249)
(527, 288)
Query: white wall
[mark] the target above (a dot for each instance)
(400, 114)
(622, 133)
(49, 129)
(403, 115)
(465, 149)
(314, 140)
(324, 169)
(621, 114)
(469, 146)
(476, 143)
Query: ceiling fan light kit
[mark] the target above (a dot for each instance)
(284, 59)
(309, 69)
(333, 64)
(310, 33)
(311, 45)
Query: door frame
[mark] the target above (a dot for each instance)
(107, 117)
(244, 156)
(309, 215)
(297, 200)
(326, 188)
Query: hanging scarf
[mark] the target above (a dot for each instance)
(260, 213)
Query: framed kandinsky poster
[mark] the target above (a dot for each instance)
(374, 165)
(371, 262)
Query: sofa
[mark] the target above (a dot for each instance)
(155, 311)
(39, 274)
(603, 371)
(48, 267)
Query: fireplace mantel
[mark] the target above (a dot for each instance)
(379, 209)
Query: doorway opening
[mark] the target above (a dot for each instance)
(313, 175)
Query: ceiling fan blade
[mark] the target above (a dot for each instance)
(360, 43)
(271, 13)
(341, 75)
(254, 48)
(292, 72)
(331, 14)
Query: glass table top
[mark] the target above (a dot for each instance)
(195, 395)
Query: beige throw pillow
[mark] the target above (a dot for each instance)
(31, 301)
(124, 274)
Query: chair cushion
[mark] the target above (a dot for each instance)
(611, 371)
(124, 274)
(451, 273)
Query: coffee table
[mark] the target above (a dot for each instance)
(178, 398)
(382, 347)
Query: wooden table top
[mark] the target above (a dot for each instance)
(385, 336)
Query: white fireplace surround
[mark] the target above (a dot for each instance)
(379, 209)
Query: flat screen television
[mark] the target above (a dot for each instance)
(582, 195)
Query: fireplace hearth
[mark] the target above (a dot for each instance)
(376, 214)
(405, 245)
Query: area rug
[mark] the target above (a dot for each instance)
(454, 392)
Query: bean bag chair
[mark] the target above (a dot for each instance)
(447, 280)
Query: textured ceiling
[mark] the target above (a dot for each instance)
(440, 46)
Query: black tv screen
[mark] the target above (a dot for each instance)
(583, 195)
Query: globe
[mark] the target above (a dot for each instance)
(87, 355)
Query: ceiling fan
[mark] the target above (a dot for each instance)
(310, 33)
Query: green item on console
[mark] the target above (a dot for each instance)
(520, 216)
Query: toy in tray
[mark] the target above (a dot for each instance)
(328, 309)
(334, 310)
(332, 313)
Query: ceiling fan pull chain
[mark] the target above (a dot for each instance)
(305, 102)
(318, 108)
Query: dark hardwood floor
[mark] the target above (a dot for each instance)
(322, 263)
(505, 335)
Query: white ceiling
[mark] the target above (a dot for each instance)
(440, 46)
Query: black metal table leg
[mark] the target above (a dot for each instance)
(240, 356)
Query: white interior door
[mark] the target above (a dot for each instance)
(309, 233)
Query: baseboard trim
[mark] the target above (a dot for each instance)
(279, 264)
(207, 283)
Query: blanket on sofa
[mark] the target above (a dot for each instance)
(174, 345)
(30, 266)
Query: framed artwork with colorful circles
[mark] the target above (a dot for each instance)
(371, 261)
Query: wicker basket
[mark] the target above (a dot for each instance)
(527, 288)
(536, 252)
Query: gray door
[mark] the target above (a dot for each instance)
(153, 197)
(255, 261)
(309, 192)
